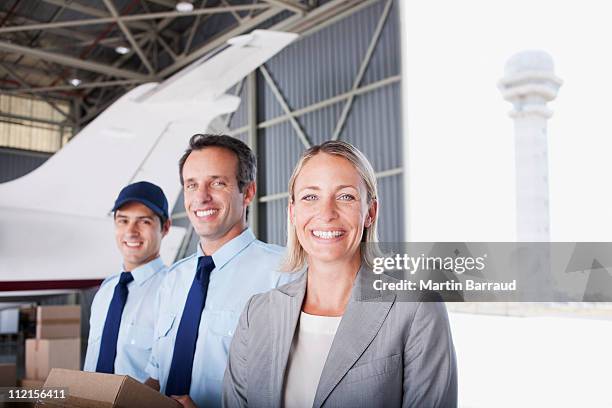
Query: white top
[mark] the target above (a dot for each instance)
(309, 350)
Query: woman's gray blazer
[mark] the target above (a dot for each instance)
(387, 352)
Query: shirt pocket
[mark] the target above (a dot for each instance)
(221, 326)
(379, 367)
(93, 347)
(95, 334)
(165, 323)
(141, 337)
(222, 323)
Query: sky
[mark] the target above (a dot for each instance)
(460, 172)
(460, 138)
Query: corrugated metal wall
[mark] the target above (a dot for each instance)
(47, 131)
(315, 68)
(17, 163)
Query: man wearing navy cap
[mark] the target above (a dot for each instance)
(122, 313)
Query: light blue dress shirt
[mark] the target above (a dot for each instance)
(244, 266)
(136, 333)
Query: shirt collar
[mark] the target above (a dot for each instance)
(144, 272)
(230, 249)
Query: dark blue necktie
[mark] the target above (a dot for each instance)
(179, 378)
(108, 346)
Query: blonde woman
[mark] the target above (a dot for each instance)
(329, 339)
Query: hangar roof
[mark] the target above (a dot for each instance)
(93, 51)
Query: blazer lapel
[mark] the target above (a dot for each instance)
(362, 319)
(289, 303)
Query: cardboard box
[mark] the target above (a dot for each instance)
(43, 355)
(8, 375)
(58, 322)
(28, 383)
(96, 390)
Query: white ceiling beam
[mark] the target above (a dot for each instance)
(247, 24)
(289, 5)
(56, 31)
(85, 85)
(90, 11)
(71, 61)
(132, 17)
(111, 7)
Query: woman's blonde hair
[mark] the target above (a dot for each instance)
(295, 258)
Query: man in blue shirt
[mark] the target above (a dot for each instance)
(123, 311)
(203, 295)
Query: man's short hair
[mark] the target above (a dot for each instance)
(247, 163)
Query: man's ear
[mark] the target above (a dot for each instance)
(166, 227)
(249, 193)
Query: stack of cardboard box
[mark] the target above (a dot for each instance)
(8, 375)
(57, 343)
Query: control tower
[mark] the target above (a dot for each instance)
(529, 83)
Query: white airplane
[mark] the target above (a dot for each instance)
(56, 232)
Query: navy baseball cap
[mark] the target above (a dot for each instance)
(145, 193)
